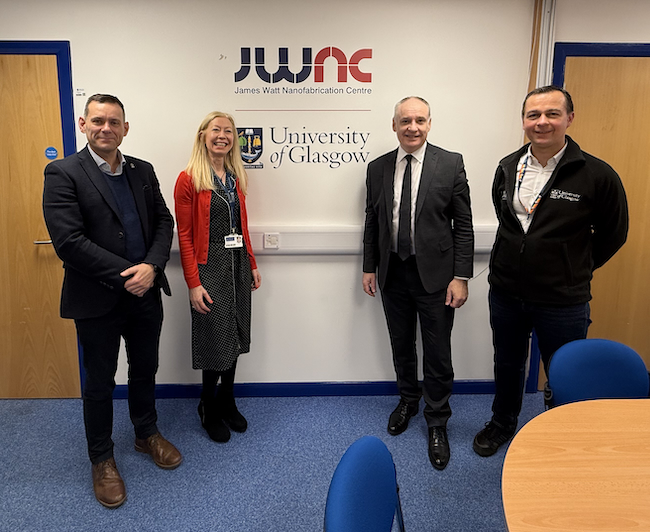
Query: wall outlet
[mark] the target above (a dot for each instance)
(271, 240)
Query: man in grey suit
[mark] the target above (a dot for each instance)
(111, 228)
(419, 247)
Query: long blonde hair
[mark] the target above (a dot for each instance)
(199, 166)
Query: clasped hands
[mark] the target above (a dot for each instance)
(140, 278)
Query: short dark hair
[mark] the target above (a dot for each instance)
(104, 98)
(568, 101)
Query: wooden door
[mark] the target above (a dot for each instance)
(38, 349)
(612, 100)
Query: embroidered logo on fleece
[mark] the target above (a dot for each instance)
(562, 195)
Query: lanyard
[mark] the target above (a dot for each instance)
(520, 178)
(229, 190)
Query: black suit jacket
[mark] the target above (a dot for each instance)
(83, 219)
(444, 235)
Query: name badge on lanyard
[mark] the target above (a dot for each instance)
(233, 241)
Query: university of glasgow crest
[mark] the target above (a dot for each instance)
(250, 144)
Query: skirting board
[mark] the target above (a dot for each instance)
(303, 389)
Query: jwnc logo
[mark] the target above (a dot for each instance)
(283, 71)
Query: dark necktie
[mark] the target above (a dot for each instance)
(404, 230)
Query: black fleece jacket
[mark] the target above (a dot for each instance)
(579, 224)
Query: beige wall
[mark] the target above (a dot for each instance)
(172, 62)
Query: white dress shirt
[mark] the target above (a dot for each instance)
(104, 166)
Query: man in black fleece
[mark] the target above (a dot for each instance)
(562, 214)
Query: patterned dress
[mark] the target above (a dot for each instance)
(222, 334)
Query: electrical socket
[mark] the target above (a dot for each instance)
(271, 240)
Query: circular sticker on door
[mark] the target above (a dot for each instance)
(51, 153)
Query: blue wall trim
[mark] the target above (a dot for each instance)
(303, 389)
(583, 49)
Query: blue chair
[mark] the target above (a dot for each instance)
(595, 369)
(363, 494)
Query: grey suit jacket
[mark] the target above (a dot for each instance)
(83, 219)
(444, 235)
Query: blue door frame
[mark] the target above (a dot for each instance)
(60, 49)
(561, 52)
(584, 49)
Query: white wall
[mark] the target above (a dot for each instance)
(173, 62)
(602, 21)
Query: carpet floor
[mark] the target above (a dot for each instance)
(274, 477)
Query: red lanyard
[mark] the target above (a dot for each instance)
(520, 178)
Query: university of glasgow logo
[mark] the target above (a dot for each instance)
(250, 143)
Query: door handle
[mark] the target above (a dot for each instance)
(41, 242)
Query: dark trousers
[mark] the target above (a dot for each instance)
(512, 322)
(138, 321)
(405, 300)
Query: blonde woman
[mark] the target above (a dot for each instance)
(219, 267)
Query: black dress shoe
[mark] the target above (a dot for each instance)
(493, 436)
(438, 447)
(398, 421)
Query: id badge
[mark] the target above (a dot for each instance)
(233, 241)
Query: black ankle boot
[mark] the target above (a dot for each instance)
(212, 422)
(230, 414)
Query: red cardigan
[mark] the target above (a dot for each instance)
(193, 223)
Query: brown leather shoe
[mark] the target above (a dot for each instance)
(108, 484)
(164, 454)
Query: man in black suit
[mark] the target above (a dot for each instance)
(419, 242)
(111, 228)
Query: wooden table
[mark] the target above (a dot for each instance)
(581, 467)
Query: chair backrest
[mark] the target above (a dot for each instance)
(596, 369)
(363, 491)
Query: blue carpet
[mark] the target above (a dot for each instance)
(274, 477)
